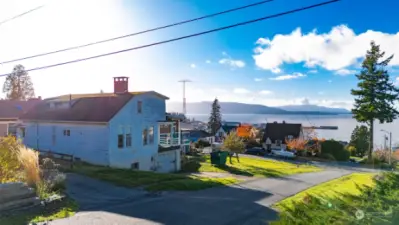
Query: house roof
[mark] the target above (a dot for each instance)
(100, 107)
(280, 131)
(228, 128)
(14, 109)
(77, 96)
(199, 134)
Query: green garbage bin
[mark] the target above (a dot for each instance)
(219, 157)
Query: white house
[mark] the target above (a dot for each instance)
(121, 129)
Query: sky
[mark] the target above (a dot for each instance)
(310, 57)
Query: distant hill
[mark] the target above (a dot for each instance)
(313, 108)
(242, 108)
(226, 108)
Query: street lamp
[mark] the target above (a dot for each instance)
(390, 144)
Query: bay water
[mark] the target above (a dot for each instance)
(344, 122)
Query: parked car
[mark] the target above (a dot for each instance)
(283, 153)
(255, 151)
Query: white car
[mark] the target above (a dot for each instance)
(283, 153)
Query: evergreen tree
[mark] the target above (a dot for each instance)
(376, 94)
(215, 120)
(18, 85)
(360, 140)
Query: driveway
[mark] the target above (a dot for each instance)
(247, 203)
(90, 193)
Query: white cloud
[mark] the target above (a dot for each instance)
(208, 61)
(276, 70)
(241, 91)
(193, 66)
(345, 72)
(258, 79)
(288, 76)
(232, 63)
(329, 81)
(265, 92)
(397, 81)
(312, 71)
(335, 50)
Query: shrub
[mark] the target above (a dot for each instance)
(9, 163)
(29, 160)
(252, 143)
(53, 179)
(335, 149)
(202, 144)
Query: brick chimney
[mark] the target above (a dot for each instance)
(121, 85)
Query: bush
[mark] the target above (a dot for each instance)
(202, 144)
(29, 160)
(252, 143)
(335, 149)
(9, 163)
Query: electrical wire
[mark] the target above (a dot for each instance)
(183, 37)
(20, 15)
(140, 32)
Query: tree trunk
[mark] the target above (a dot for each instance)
(231, 162)
(370, 152)
(238, 158)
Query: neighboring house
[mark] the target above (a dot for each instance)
(278, 133)
(121, 129)
(196, 135)
(225, 130)
(230, 123)
(10, 111)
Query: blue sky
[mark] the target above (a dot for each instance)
(306, 57)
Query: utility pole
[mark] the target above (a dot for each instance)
(390, 144)
(184, 94)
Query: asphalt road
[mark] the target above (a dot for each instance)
(243, 204)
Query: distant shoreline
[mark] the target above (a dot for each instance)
(280, 113)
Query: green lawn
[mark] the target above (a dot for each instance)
(151, 181)
(65, 209)
(248, 166)
(331, 189)
(374, 200)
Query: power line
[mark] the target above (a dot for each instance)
(140, 32)
(17, 16)
(182, 37)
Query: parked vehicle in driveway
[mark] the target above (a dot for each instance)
(283, 153)
(255, 151)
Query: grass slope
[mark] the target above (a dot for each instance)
(248, 166)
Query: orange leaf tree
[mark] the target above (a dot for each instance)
(298, 144)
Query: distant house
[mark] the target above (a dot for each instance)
(278, 133)
(225, 130)
(121, 129)
(10, 111)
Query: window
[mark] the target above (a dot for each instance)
(67, 132)
(151, 135)
(144, 137)
(278, 142)
(23, 132)
(139, 106)
(120, 140)
(128, 134)
(290, 137)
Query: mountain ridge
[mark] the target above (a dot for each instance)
(204, 107)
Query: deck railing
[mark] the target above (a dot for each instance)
(169, 139)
